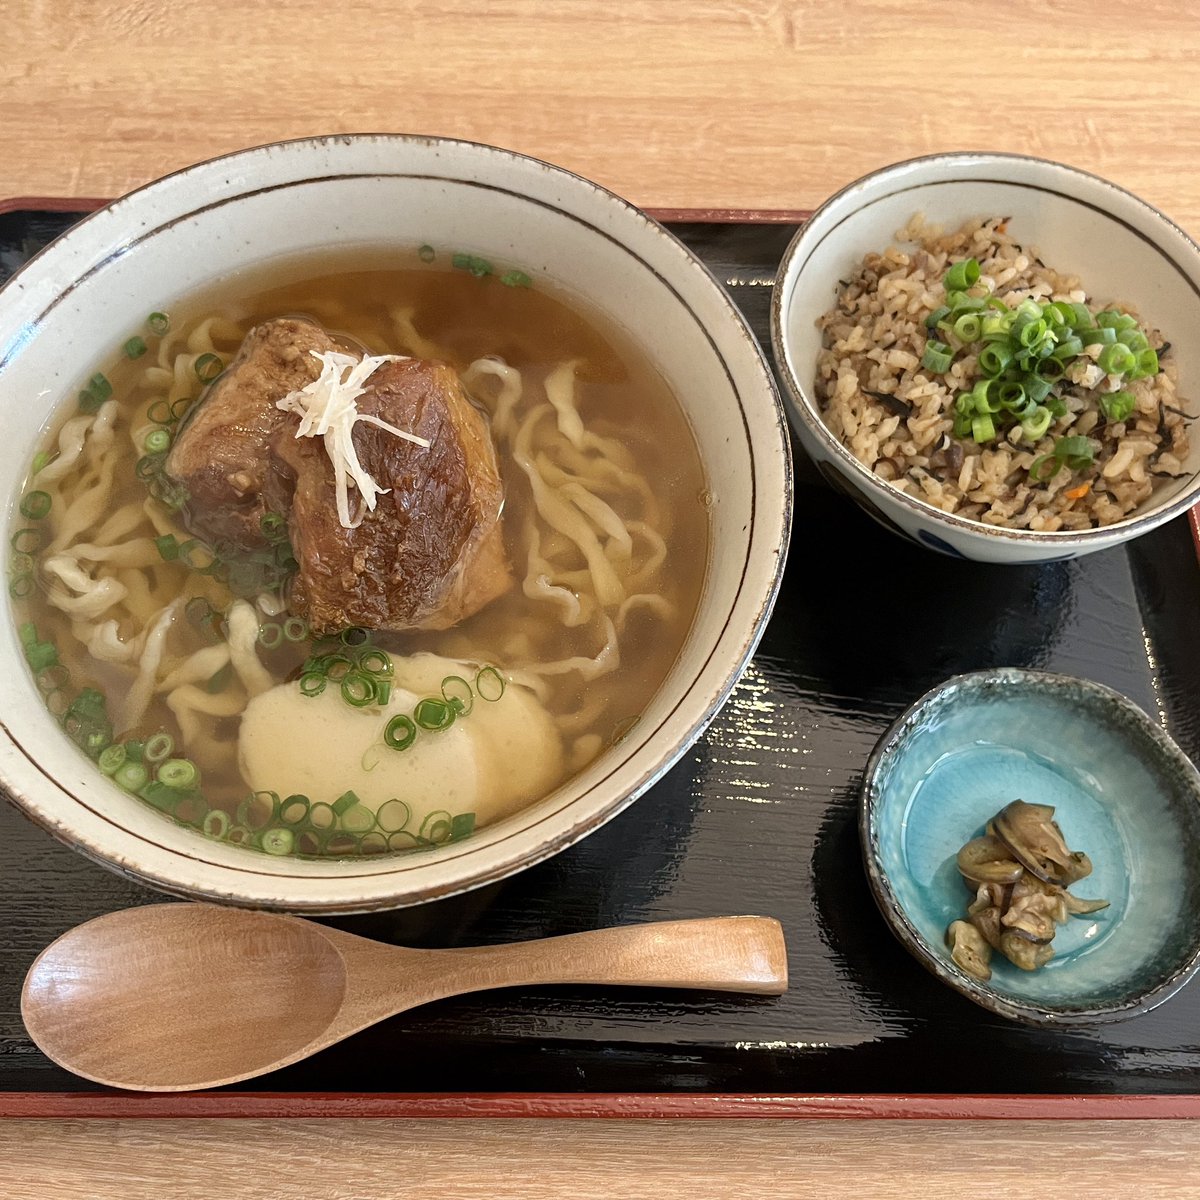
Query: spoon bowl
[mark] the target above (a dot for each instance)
(175, 997)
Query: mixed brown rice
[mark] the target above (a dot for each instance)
(897, 417)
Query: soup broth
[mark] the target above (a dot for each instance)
(177, 665)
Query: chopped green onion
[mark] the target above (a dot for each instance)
(962, 275)
(1037, 388)
(393, 815)
(158, 747)
(354, 636)
(208, 367)
(258, 810)
(157, 440)
(158, 323)
(1051, 369)
(196, 555)
(134, 748)
(358, 689)
(312, 683)
(35, 505)
(135, 348)
(461, 826)
(937, 316)
(426, 253)
(1117, 406)
(1147, 364)
(295, 629)
(994, 358)
(160, 413)
(937, 357)
(162, 797)
(479, 267)
(1034, 426)
(433, 714)
(168, 548)
(516, 279)
(341, 844)
(270, 635)
(97, 391)
(111, 758)
(277, 841)
(983, 429)
(41, 460)
(1075, 451)
(1012, 396)
(968, 327)
(358, 818)
(1068, 348)
(148, 466)
(985, 396)
(1134, 339)
(27, 540)
(375, 662)
(322, 816)
(437, 826)
(132, 776)
(178, 773)
(215, 823)
(294, 809)
(345, 801)
(1097, 336)
(41, 656)
(400, 733)
(489, 684)
(1116, 359)
(456, 691)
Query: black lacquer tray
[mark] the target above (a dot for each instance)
(759, 817)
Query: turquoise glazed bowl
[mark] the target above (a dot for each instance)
(1123, 792)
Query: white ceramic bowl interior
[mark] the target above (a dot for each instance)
(73, 304)
(1122, 250)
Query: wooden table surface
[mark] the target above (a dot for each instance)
(752, 104)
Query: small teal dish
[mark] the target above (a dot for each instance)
(1123, 792)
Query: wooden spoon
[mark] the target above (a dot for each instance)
(172, 997)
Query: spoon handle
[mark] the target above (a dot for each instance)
(728, 954)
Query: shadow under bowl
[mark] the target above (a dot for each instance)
(1123, 792)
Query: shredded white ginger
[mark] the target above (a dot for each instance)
(327, 409)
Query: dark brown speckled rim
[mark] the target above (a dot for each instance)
(806, 410)
(1025, 1012)
(651, 773)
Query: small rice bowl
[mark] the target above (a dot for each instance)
(897, 417)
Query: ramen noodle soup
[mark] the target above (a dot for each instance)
(361, 559)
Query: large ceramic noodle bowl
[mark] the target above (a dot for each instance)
(384, 515)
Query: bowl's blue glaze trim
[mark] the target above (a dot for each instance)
(1170, 760)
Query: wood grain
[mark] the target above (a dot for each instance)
(176, 997)
(725, 103)
(347, 1160)
(747, 104)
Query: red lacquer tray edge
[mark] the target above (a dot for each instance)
(604, 1106)
(594, 1106)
